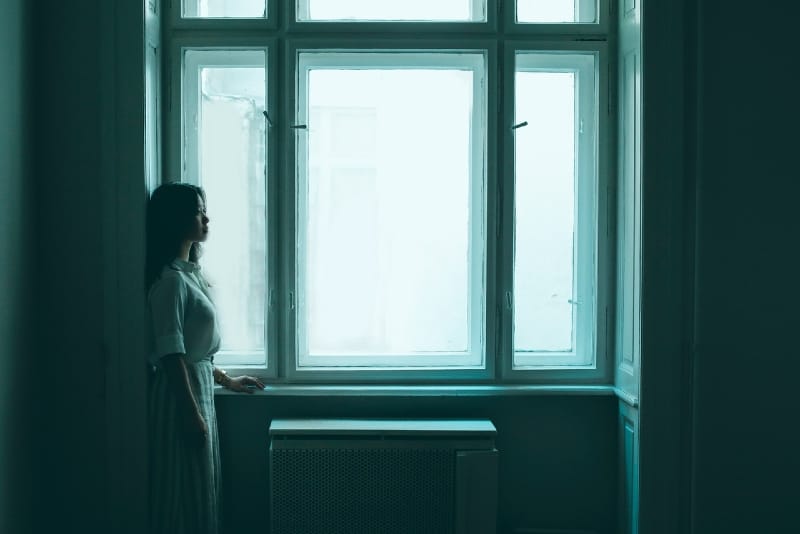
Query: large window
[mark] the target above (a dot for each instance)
(399, 190)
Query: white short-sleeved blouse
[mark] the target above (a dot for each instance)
(183, 318)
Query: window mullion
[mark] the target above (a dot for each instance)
(506, 214)
(287, 215)
(273, 316)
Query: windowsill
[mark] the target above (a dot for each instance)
(325, 390)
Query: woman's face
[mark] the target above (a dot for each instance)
(198, 228)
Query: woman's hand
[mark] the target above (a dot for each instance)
(241, 383)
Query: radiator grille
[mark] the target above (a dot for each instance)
(362, 491)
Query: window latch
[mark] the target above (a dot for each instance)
(519, 125)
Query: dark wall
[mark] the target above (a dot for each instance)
(70, 438)
(557, 454)
(747, 361)
(16, 253)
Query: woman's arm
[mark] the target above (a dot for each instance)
(188, 409)
(239, 384)
(221, 377)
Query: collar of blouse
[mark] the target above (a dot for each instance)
(185, 266)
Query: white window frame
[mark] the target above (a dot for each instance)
(600, 27)
(294, 23)
(584, 323)
(579, 6)
(472, 60)
(176, 156)
(176, 21)
(190, 173)
(499, 37)
(476, 6)
(590, 362)
(184, 3)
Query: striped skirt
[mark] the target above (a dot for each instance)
(184, 480)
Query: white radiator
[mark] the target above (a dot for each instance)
(347, 476)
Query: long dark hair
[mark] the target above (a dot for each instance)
(169, 213)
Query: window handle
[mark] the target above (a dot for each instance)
(266, 116)
(298, 127)
(291, 300)
(509, 300)
(519, 125)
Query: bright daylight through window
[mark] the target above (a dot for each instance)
(391, 185)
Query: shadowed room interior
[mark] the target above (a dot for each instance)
(716, 447)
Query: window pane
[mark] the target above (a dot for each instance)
(554, 184)
(377, 10)
(556, 11)
(544, 212)
(224, 8)
(228, 131)
(391, 210)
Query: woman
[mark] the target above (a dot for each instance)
(184, 448)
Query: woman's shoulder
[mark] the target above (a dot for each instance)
(169, 280)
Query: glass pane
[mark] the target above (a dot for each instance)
(544, 258)
(225, 8)
(230, 165)
(386, 231)
(377, 10)
(556, 11)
